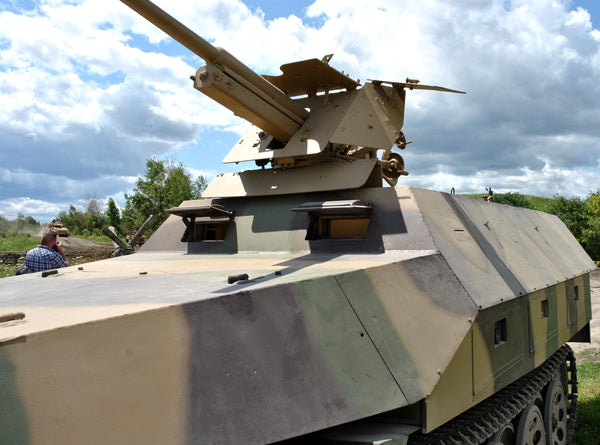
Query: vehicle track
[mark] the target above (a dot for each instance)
(479, 423)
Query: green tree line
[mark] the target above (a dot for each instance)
(165, 184)
(22, 224)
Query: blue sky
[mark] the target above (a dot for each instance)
(90, 90)
(275, 9)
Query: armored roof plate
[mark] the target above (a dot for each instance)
(350, 206)
(310, 77)
(322, 176)
(145, 281)
(199, 211)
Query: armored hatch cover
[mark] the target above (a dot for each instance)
(310, 77)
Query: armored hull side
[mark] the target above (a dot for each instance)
(158, 347)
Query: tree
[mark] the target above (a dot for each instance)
(31, 221)
(22, 224)
(86, 222)
(582, 217)
(73, 219)
(114, 215)
(164, 185)
(593, 204)
(4, 224)
(95, 219)
(513, 199)
(591, 238)
(591, 234)
(572, 211)
(198, 187)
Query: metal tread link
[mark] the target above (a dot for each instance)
(479, 423)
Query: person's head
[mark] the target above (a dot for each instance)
(49, 238)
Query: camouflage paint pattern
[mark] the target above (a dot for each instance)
(157, 347)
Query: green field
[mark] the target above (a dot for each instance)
(587, 431)
(7, 270)
(540, 203)
(18, 241)
(12, 242)
(23, 242)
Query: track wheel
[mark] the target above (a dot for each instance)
(504, 436)
(531, 429)
(555, 414)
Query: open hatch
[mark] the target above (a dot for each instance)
(336, 219)
(203, 223)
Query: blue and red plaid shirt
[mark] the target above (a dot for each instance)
(44, 258)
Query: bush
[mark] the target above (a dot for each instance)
(513, 199)
(572, 211)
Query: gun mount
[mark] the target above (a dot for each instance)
(312, 116)
(128, 248)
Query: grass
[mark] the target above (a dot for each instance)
(587, 431)
(8, 270)
(539, 202)
(26, 241)
(18, 241)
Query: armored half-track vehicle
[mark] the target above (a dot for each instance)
(300, 301)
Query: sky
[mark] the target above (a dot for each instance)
(89, 90)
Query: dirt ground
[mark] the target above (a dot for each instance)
(78, 250)
(595, 324)
(88, 250)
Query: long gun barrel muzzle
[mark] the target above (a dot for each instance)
(228, 81)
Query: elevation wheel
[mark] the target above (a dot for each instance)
(555, 414)
(531, 429)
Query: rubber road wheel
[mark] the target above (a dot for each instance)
(531, 429)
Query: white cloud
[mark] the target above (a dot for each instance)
(89, 91)
(552, 181)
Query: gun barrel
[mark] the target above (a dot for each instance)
(265, 91)
(174, 28)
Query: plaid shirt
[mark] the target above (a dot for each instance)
(44, 258)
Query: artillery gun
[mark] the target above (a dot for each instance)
(332, 129)
(122, 248)
(305, 302)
